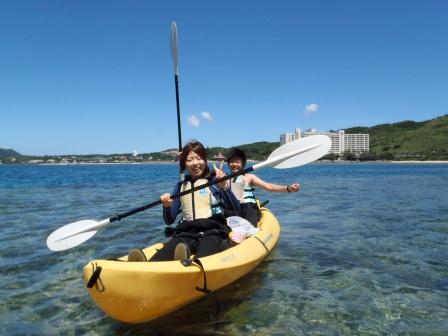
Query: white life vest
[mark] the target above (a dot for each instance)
(200, 204)
(242, 191)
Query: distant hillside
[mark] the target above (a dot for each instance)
(408, 140)
(255, 151)
(8, 153)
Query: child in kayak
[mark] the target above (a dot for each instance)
(243, 187)
(203, 229)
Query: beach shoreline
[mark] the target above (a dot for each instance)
(214, 161)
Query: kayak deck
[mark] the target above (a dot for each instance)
(135, 292)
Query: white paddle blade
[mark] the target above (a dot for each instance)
(72, 235)
(300, 152)
(174, 47)
(68, 243)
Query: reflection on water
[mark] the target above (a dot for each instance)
(362, 252)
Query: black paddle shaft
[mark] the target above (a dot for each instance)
(179, 132)
(155, 203)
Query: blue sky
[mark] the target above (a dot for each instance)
(81, 77)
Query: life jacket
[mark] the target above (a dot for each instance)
(200, 204)
(242, 191)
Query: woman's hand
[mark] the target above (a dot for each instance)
(295, 187)
(220, 174)
(166, 200)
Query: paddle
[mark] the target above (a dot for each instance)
(293, 154)
(176, 78)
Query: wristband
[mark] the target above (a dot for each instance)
(287, 189)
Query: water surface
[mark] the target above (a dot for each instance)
(363, 251)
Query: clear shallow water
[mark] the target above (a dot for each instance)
(363, 251)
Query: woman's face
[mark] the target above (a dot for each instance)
(235, 164)
(195, 165)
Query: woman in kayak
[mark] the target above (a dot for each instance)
(203, 229)
(243, 187)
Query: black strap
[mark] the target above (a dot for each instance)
(262, 243)
(205, 290)
(250, 197)
(95, 278)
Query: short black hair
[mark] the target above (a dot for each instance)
(237, 153)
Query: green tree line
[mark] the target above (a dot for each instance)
(406, 140)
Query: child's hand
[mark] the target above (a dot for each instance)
(295, 187)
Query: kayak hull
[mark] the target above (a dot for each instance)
(135, 292)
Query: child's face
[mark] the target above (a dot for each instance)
(235, 164)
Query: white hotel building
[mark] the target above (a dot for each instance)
(340, 142)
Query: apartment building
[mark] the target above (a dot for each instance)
(288, 137)
(340, 142)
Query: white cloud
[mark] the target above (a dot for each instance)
(207, 116)
(310, 109)
(193, 121)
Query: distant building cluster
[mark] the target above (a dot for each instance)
(340, 142)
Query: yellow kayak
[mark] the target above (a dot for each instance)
(135, 292)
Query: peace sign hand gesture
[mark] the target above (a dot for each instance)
(219, 174)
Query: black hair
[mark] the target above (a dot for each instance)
(237, 153)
